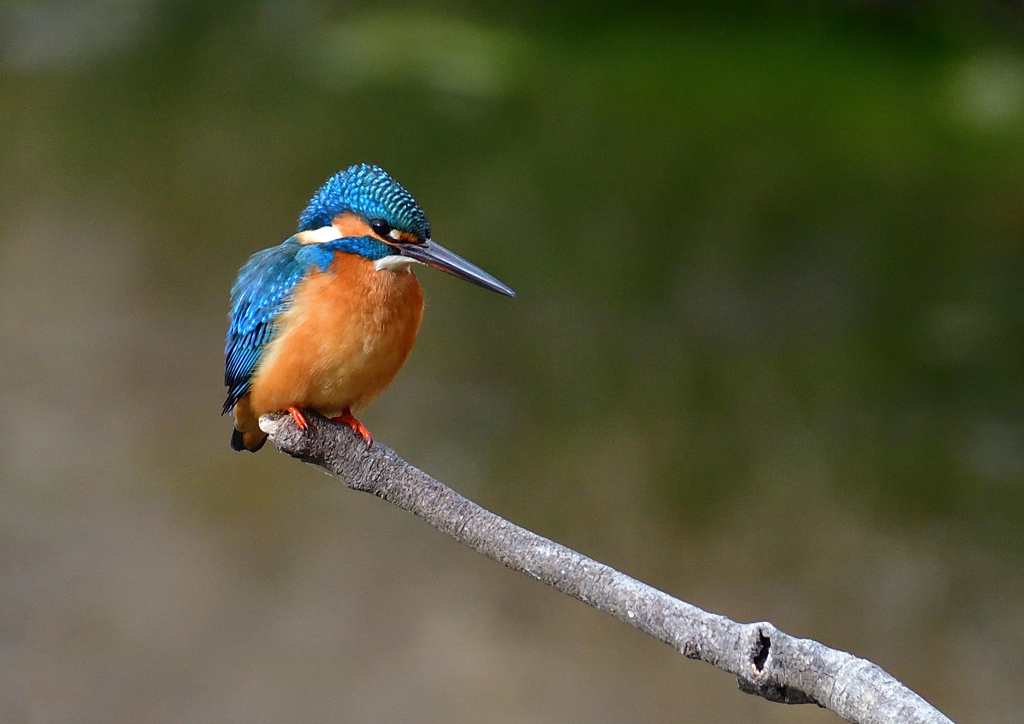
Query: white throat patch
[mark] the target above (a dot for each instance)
(395, 263)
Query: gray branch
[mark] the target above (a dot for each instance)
(765, 661)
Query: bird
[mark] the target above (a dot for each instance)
(325, 320)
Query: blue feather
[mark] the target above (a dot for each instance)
(263, 290)
(260, 293)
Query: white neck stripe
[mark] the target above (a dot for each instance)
(318, 236)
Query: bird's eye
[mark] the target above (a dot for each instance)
(380, 227)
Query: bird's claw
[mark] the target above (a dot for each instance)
(299, 418)
(349, 419)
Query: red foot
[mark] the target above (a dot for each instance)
(299, 418)
(347, 418)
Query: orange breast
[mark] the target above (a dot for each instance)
(344, 338)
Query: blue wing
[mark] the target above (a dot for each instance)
(261, 292)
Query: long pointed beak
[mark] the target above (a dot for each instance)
(437, 256)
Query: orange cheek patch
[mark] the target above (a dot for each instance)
(351, 226)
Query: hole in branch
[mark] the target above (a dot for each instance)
(761, 649)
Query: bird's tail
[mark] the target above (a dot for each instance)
(247, 434)
(247, 441)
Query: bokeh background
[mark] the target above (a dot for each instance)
(766, 353)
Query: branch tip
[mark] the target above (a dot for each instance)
(270, 424)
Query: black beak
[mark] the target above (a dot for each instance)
(438, 257)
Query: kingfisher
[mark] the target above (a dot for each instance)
(325, 320)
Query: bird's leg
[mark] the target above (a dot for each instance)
(299, 418)
(347, 418)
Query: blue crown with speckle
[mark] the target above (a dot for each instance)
(369, 191)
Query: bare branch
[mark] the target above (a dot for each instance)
(765, 661)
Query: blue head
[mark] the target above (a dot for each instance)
(369, 192)
(380, 220)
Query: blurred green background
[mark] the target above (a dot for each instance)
(766, 353)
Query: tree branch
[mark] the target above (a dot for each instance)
(765, 661)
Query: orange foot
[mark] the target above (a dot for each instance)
(347, 418)
(299, 418)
